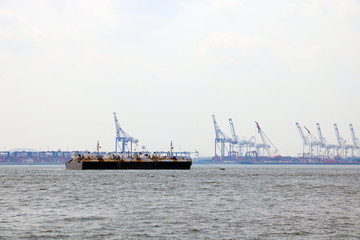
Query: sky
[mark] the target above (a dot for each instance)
(165, 67)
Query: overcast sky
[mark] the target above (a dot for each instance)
(166, 66)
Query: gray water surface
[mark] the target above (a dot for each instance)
(242, 202)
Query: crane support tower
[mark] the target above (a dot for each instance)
(123, 140)
(265, 140)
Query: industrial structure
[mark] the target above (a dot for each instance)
(318, 148)
(40, 157)
(223, 143)
(228, 148)
(315, 149)
(271, 152)
(124, 144)
(123, 140)
(355, 143)
(235, 149)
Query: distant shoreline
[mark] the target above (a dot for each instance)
(63, 164)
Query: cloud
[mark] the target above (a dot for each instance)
(14, 28)
(341, 8)
(242, 59)
(219, 4)
(231, 40)
(230, 46)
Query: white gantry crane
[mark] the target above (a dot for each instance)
(313, 142)
(266, 141)
(249, 146)
(259, 148)
(355, 146)
(221, 139)
(235, 140)
(123, 139)
(305, 140)
(322, 141)
(341, 144)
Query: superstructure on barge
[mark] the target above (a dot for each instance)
(124, 161)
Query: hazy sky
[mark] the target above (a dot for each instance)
(166, 66)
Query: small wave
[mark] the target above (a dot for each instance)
(88, 218)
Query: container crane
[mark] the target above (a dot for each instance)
(252, 151)
(235, 138)
(220, 140)
(245, 145)
(265, 141)
(252, 144)
(322, 140)
(257, 146)
(340, 141)
(304, 139)
(355, 141)
(122, 139)
(312, 142)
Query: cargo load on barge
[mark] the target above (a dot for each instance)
(127, 161)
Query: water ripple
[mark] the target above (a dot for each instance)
(242, 202)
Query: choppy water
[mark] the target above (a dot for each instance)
(242, 202)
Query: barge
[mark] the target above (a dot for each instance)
(123, 161)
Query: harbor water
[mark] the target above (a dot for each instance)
(240, 202)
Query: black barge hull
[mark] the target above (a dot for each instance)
(180, 165)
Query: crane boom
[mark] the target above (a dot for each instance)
(120, 133)
(321, 138)
(220, 134)
(266, 145)
(340, 144)
(307, 130)
(216, 127)
(235, 138)
(355, 142)
(265, 141)
(220, 140)
(117, 126)
(305, 140)
(123, 137)
(313, 140)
